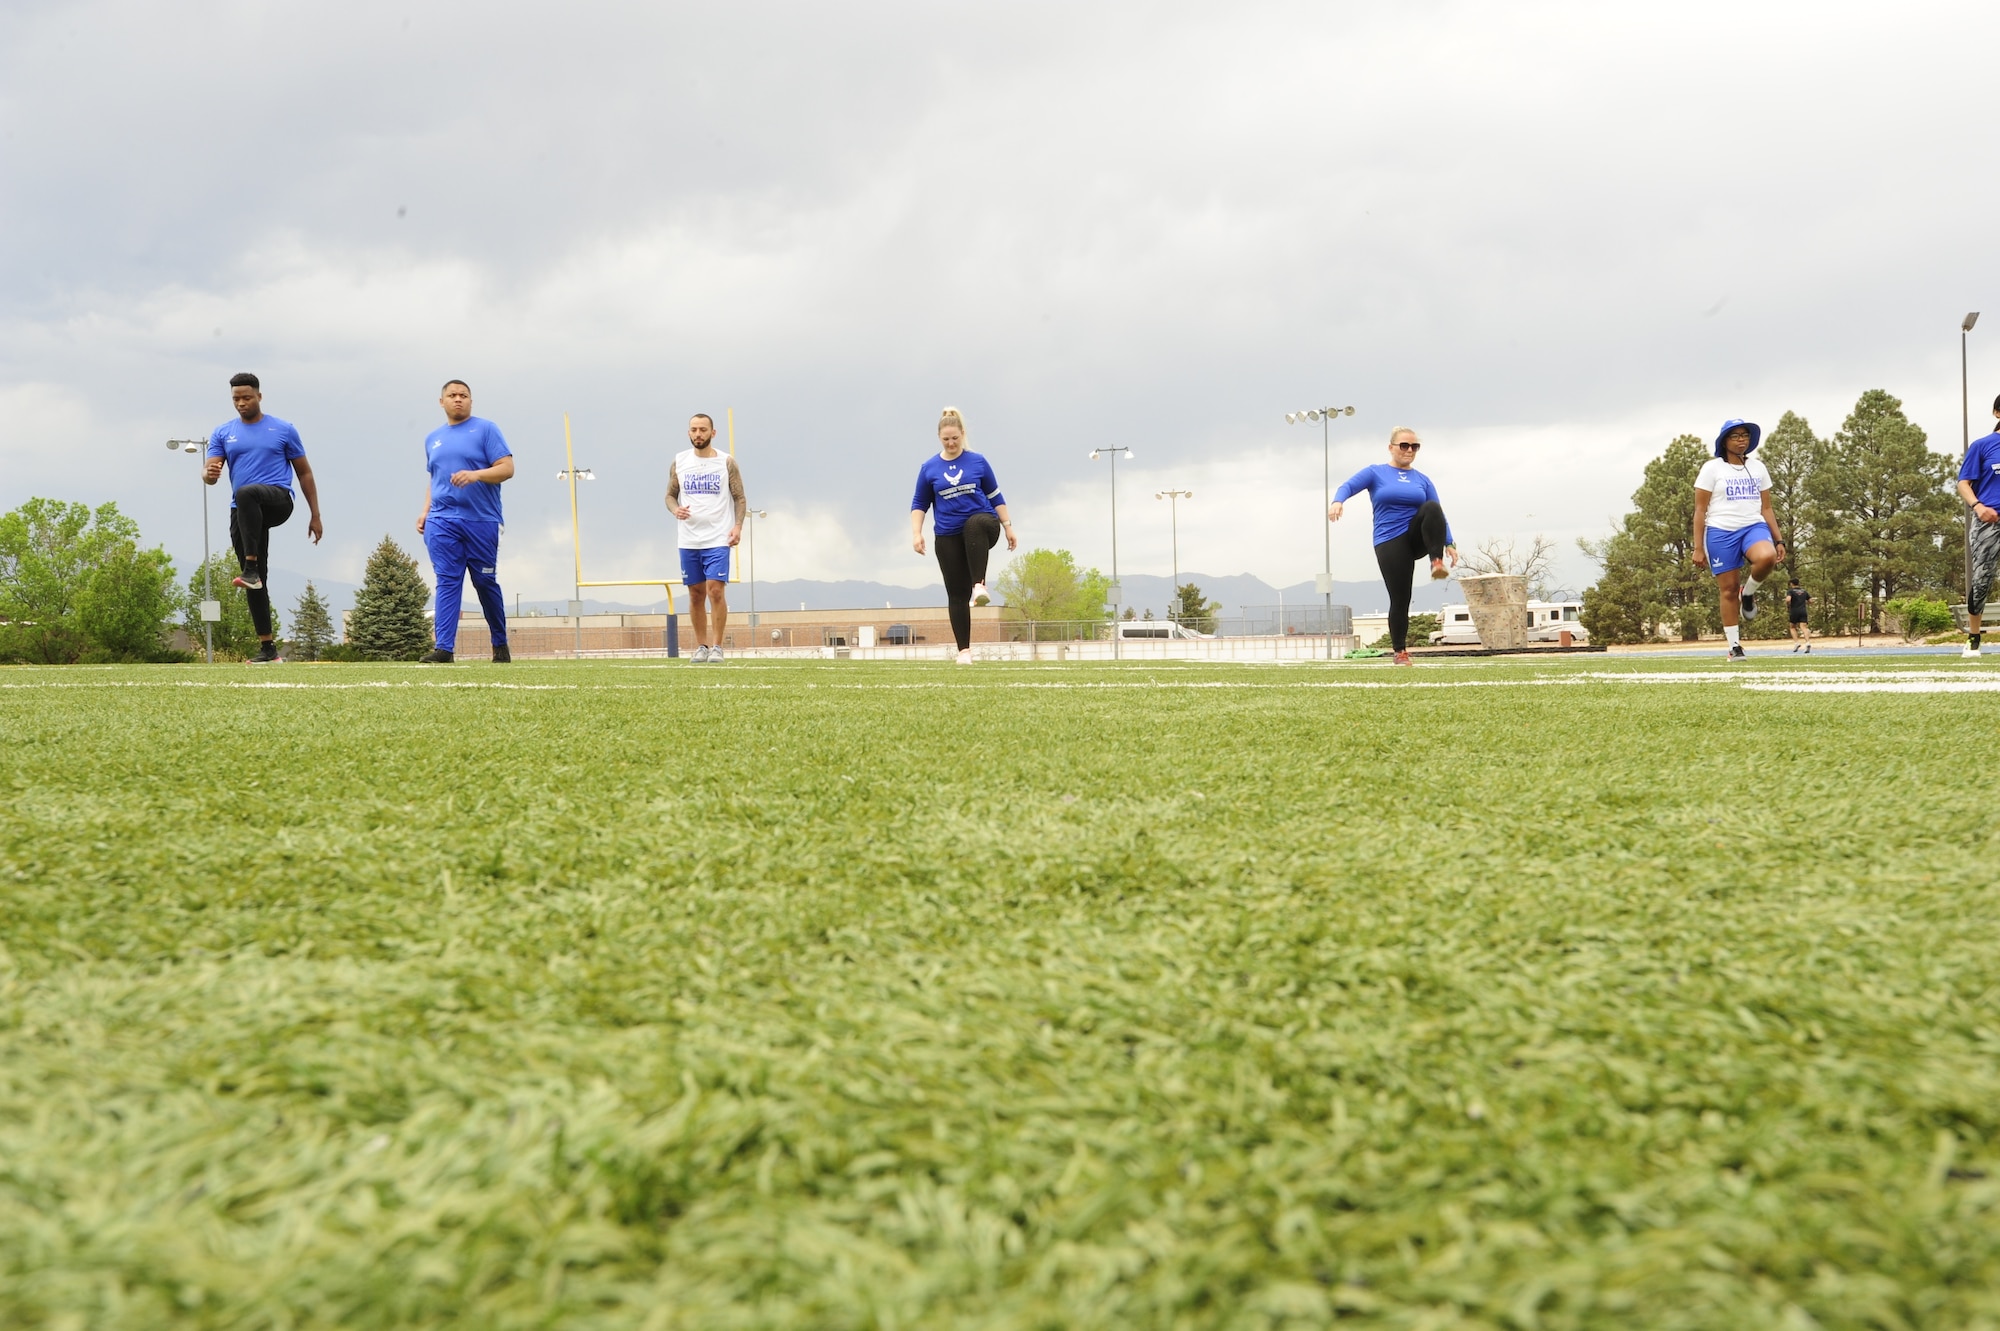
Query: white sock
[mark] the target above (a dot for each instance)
(1729, 632)
(1749, 584)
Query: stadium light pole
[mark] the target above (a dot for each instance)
(1965, 425)
(1173, 498)
(1117, 588)
(208, 603)
(573, 473)
(1324, 415)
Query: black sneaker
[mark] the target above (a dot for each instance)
(438, 656)
(267, 654)
(500, 653)
(1749, 605)
(1736, 653)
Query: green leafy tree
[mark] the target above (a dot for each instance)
(1919, 616)
(312, 625)
(1649, 580)
(1047, 586)
(388, 622)
(1884, 518)
(235, 633)
(75, 586)
(1197, 611)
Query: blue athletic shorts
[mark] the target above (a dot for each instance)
(1725, 548)
(699, 566)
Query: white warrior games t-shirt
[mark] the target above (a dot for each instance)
(1736, 494)
(704, 491)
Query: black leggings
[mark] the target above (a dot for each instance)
(962, 559)
(258, 509)
(1397, 558)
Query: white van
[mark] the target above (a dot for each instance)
(1155, 630)
(1547, 622)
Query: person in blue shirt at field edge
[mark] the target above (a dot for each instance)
(1979, 486)
(970, 513)
(468, 459)
(263, 453)
(1409, 525)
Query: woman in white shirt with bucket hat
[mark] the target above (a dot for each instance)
(1734, 525)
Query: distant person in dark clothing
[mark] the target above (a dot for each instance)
(1797, 601)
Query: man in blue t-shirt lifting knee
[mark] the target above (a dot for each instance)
(468, 459)
(263, 454)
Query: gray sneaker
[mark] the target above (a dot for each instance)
(714, 654)
(700, 655)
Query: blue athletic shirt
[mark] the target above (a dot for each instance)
(1396, 495)
(258, 453)
(957, 489)
(1982, 468)
(473, 444)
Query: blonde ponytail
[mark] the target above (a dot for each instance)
(951, 416)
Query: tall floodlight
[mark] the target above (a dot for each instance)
(1324, 415)
(1117, 590)
(573, 473)
(750, 553)
(211, 609)
(1173, 498)
(1965, 425)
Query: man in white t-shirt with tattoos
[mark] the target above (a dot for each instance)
(705, 493)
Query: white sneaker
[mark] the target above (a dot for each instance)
(965, 657)
(1970, 653)
(714, 654)
(700, 654)
(979, 596)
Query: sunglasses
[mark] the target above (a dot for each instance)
(1404, 443)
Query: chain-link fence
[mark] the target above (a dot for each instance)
(1309, 618)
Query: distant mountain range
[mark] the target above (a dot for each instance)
(1142, 591)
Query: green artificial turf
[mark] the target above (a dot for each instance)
(842, 995)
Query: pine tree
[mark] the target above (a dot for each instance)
(312, 626)
(1793, 455)
(1196, 610)
(1886, 522)
(388, 622)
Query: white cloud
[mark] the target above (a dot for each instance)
(1551, 235)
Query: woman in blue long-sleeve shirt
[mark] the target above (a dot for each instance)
(1409, 525)
(958, 488)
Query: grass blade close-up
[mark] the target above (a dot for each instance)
(809, 995)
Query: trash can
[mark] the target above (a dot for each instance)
(1499, 605)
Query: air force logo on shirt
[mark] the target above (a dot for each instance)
(954, 477)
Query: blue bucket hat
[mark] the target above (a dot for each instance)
(1756, 435)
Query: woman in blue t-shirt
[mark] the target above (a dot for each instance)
(1409, 525)
(969, 513)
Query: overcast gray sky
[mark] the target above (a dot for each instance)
(1550, 236)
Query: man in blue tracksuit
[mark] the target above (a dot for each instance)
(468, 459)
